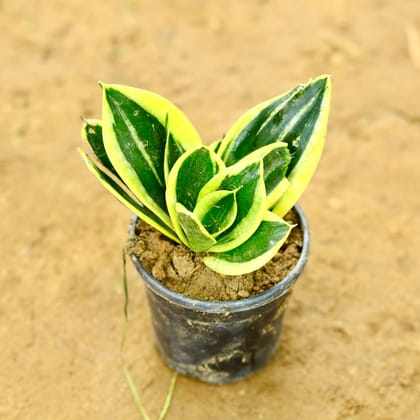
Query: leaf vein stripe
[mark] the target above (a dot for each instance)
(139, 144)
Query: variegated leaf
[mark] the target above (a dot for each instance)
(199, 239)
(307, 148)
(251, 196)
(135, 135)
(299, 119)
(276, 158)
(256, 156)
(243, 137)
(117, 191)
(186, 178)
(255, 252)
(279, 190)
(175, 147)
(217, 211)
(92, 133)
(247, 179)
(215, 145)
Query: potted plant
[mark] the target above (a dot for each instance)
(225, 203)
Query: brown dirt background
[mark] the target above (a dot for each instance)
(351, 343)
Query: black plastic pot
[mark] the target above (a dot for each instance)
(219, 342)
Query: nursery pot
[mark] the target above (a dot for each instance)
(219, 341)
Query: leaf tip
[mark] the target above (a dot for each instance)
(103, 85)
(326, 79)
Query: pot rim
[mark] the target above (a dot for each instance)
(229, 306)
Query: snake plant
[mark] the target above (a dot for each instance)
(225, 200)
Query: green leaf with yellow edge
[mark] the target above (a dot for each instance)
(273, 150)
(247, 179)
(92, 133)
(137, 208)
(175, 147)
(135, 135)
(215, 145)
(275, 194)
(217, 211)
(289, 118)
(276, 158)
(243, 137)
(255, 252)
(276, 163)
(298, 118)
(307, 149)
(199, 239)
(226, 199)
(186, 179)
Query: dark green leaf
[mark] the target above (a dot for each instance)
(247, 179)
(217, 211)
(195, 171)
(199, 240)
(173, 151)
(185, 180)
(248, 139)
(255, 252)
(92, 133)
(290, 119)
(141, 138)
(275, 167)
(215, 146)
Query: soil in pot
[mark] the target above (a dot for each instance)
(183, 271)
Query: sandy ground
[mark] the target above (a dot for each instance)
(351, 343)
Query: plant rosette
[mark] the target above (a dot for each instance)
(225, 202)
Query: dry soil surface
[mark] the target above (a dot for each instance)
(351, 342)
